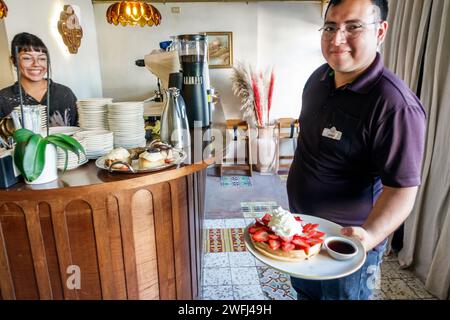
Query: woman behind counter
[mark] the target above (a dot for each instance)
(33, 61)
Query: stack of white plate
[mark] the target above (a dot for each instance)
(72, 158)
(126, 120)
(92, 113)
(98, 142)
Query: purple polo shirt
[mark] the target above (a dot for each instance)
(382, 125)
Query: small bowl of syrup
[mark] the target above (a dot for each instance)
(340, 248)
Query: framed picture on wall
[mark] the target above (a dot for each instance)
(220, 49)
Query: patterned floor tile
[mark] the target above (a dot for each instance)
(248, 292)
(402, 273)
(259, 263)
(397, 289)
(216, 276)
(244, 276)
(217, 293)
(276, 285)
(241, 259)
(235, 223)
(257, 209)
(236, 182)
(224, 240)
(419, 289)
(388, 272)
(214, 224)
(216, 260)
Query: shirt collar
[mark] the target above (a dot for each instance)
(365, 82)
(15, 87)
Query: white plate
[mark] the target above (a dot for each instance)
(65, 130)
(320, 267)
(179, 156)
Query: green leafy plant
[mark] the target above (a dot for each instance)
(29, 155)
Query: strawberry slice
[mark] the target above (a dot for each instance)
(259, 222)
(308, 227)
(300, 242)
(319, 234)
(274, 244)
(287, 246)
(260, 236)
(273, 236)
(266, 218)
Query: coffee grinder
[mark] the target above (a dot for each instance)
(193, 53)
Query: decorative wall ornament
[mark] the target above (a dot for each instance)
(220, 49)
(133, 13)
(3, 9)
(70, 29)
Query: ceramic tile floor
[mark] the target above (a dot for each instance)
(232, 273)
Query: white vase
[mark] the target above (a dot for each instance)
(267, 144)
(50, 171)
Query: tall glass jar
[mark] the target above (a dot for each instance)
(267, 141)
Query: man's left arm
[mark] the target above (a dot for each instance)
(391, 209)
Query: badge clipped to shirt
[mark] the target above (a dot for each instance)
(332, 133)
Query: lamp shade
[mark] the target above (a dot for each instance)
(3, 9)
(133, 13)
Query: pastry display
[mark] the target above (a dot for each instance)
(118, 154)
(158, 156)
(282, 236)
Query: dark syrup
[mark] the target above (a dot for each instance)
(341, 247)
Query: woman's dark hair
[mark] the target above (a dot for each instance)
(27, 42)
(382, 4)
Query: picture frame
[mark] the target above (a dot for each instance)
(220, 49)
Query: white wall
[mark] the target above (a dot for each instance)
(81, 71)
(290, 43)
(6, 78)
(275, 33)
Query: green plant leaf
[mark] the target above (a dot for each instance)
(22, 135)
(34, 157)
(63, 146)
(19, 153)
(66, 143)
(75, 146)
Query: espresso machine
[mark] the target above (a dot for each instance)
(193, 53)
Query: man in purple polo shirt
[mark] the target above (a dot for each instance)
(359, 155)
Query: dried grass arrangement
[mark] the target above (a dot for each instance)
(256, 91)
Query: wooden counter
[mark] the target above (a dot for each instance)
(131, 236)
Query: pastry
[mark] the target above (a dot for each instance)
(282, 236)
(118, 154)
(152, 158)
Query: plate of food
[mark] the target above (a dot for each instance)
(158, 156)
(293, 244)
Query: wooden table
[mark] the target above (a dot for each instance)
(96, 235)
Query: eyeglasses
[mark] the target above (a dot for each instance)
(28, 60)
(351, 30)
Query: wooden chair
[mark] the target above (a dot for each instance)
(236, 126)
(289, 129)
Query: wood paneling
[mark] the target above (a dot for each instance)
(145, 245)
(18, 251)
(131, 239)
(50, 251)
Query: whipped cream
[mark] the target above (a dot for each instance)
(152, 156)
(119, 153)
(284, 224)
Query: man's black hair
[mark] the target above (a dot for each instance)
(27, 42)
(382, 4)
